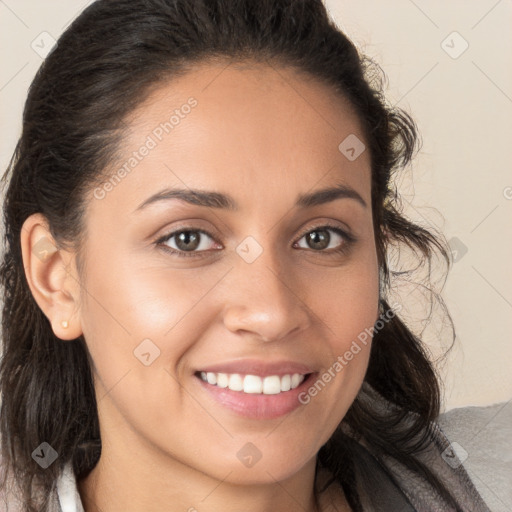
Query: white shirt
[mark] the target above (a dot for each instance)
(67, 491)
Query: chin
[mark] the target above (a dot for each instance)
(252, 467)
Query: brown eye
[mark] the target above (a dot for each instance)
(188, 240)
(320, 238)
(191, 241)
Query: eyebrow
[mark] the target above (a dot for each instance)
(218, 200)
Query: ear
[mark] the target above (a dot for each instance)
(52, 277)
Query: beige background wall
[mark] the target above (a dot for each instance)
(458, 87)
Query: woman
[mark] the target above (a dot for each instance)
(197, 220)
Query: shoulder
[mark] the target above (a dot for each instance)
(480, 436)
(406, 476)
(447, 464)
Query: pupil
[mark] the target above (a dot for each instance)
(185, 238)
(319, 239)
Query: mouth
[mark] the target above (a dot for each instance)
(255, 390)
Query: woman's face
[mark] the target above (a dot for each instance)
(254, 290)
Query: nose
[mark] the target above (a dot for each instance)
(263, 302)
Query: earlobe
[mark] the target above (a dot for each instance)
(51, 278)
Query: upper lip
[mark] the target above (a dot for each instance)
(259, 367)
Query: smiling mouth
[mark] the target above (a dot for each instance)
(254, 384)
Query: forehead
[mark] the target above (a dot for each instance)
(251, 94)
(252, 127)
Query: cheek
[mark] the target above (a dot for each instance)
(346, 304)
(128, 302)
(139, 322)
(345, 299)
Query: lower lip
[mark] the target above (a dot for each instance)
(257, 405)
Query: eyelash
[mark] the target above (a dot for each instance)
(349, 240)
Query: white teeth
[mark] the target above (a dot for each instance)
(236, 383)
(286, 383)
(296, 380)
(222, 380)
(271, 385)
(253, 384)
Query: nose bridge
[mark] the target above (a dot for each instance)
(263, 298)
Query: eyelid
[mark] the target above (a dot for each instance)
(180, 229)
(345, 232)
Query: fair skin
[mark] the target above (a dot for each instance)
(263, 136)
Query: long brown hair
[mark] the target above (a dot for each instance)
(103, 67)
